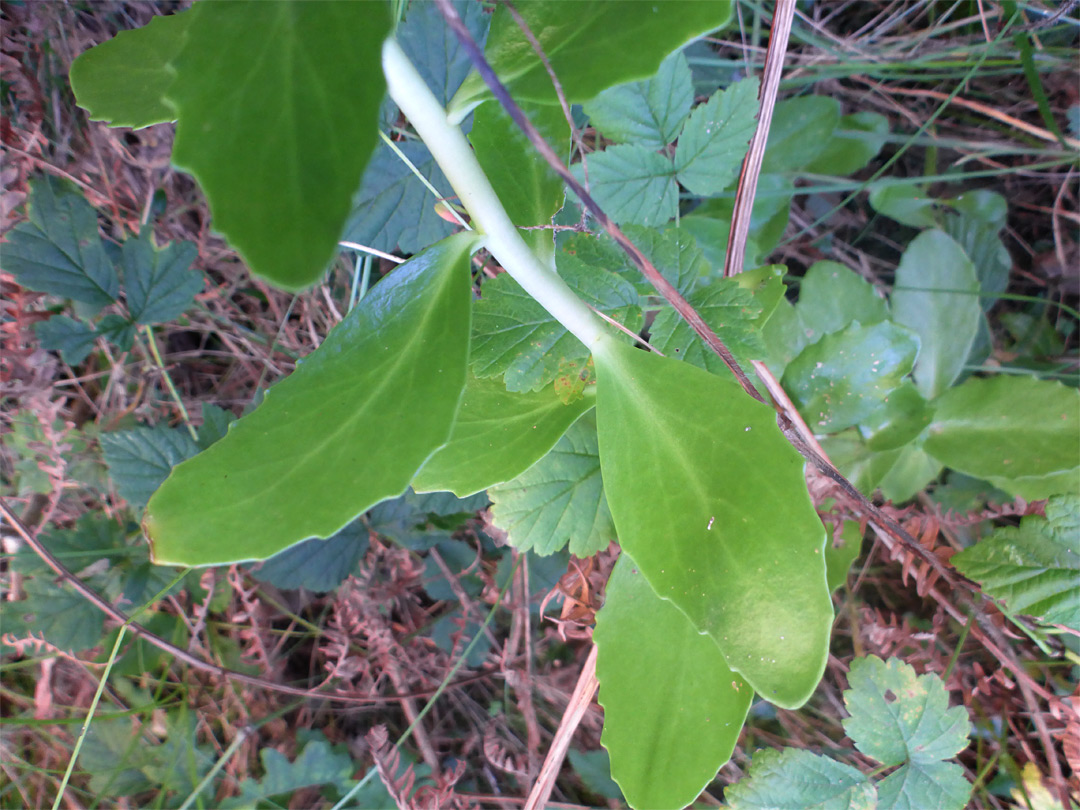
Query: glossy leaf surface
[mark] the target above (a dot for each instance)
(799, 780)
(590, 44)
(332, 439)
(714, 140)
(672, 708)
(497, 436)
(709, 500)
(1019, 433)
(280, 154)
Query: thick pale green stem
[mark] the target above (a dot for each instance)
(456, 159)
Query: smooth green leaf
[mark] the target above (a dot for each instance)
(316, 764)
(801, 130)
(908, 204)
(632, 184)
(158, 284)
(594, 770)
(799, 780)
(936, 296)
(516, 337)
(709, 500)
(590, 45)
(497, 436)
(64, 618)
(673, 710)
(899, 420)
(905, 472)
(140, 459)
(1018, 433)
(713, 142)
(280, 154)
(974, 220)
(900, 719)
(847, 375)
(317, 565)
(332, 439)
(529, 189)
(649, 113)
(831, 296)
(73, 339)
(124, 80)
(846, 154)
(710, 222)
(841, 551)
(1034, 568)
(59, 250)
(559, 500)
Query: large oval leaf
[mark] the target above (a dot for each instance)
(709, 499)
(672, 708)
(349, 428)
(590, 44)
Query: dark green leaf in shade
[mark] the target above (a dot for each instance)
(594, 770)
(73, 339)
(672, 707)
(140, 459)
(899, 420)
(59, 250)
(632, 184)
(831, 296)
(316, 565)
(908, 204)
(841, 550)
(847, 153)
(331, 440)
(801, 130)
(710, 222)
(453, 633)
(936, 296)
(158, 284)
(846, 376)
(902, 719)
(529, 189)
(672, 251)
(799, 780)
(215, 424)
(718, 519)
(516, 337)
(119, 330)
(590, 44)
(974, 220)
(649, 113)
(461, 561)
(317, 764)
(497, 436)
(94, 537)
(63, 617)
(559, 500)
(435, 50)
(280, 154)
(124, 80)
(1034, 568)
(1016, 432)
(394, 210)
(713, 142)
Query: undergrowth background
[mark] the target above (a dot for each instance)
(386, 639)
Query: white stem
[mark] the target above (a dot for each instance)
(456, 159)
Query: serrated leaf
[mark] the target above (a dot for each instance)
(124, 80)
(63, 617)
(435, 50)
(672, 251)
(590, 45)
(801, 130)
(846, 154)
(1033, 568)
(1019, 433)
(140, 459)
(316, 565)
(559, 500)
(497, 436)
(332, 439)
(632, 184)
(831, 296)
(662, 685)
(119, 330)
(799, 780)
(393, 209)
(73, 339)
(59, 250)
(316, 764)
(900, 719)
(93, 538)
(514, 336)
(718, 519)
(158, 284)
(215, 424)
(847, 375)
(649, 113)
(713, 142)
(936, 296)
(280, 155)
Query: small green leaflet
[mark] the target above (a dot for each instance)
(158, 284)
(140, 459)
(799, 780)
(632, 184)
(831, 296)
(1034, 568)
(559, 500)
(714, 140)
(316, 764)
(73, 339)
(316, 565)
(847, 153)
(674, 252)
(59, 250)
(62, 616)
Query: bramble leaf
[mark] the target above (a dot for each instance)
(1034, 568)
(713, 142)
(316, 764)
(73, 339)
(158, 284)
(672, 251)
(433, 48)
(662, 685)
(799, 780)
(140, 459)
(558, 500)
(316, 565)
(331, 440)
(718, 520)
(633, 184)
(497, 436)
(61, 615)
